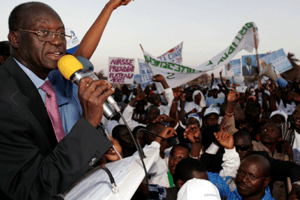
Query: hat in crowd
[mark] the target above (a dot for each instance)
(196, 116)
(252, 91)
(279, 112)
(72, 43)
(195, 189)
(210, 110)
(264, 79)
(122, 105)
(202, 101)
(215, 87)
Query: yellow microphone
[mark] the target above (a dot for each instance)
(73, 70)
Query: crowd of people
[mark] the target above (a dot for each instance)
(244, 143)
(230, 144)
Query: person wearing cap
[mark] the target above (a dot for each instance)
(195, 189)
(278, 117)
(214, 99)
(194, 119)
(211, 116)
(182, 168)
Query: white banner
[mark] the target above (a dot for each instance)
(120, 70)
(173, 55)
(177, 74)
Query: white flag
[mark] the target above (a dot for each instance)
(176, 74)
(173, 55)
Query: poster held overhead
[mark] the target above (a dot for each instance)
(249, 63)
(121, 70)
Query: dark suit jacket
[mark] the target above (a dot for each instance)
(32, 164)
(247, 73)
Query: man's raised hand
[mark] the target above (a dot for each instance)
(193, 133)
(224, 138)
(118, 3)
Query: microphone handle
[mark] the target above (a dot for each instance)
(107, 110)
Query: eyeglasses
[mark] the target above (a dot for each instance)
(177, 157)
(48, 36)
(250, 177)
(242, 148)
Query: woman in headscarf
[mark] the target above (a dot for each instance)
(196, 105)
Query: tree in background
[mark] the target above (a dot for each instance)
(293, 73)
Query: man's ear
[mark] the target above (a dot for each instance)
(179, 183)
(13, 38)
(267, 181)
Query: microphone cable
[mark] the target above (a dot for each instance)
(111, 178)
(140, 152)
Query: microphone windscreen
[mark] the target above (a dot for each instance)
(87, 65)
(68, 65)
(172, 141)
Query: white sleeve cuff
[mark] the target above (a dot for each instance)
(212, 149)
(168, 91)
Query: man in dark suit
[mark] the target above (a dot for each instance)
(249, 70)
(33, 164)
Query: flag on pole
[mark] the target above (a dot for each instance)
(177, 74)
(173, 55)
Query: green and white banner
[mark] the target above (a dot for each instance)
(177, 74)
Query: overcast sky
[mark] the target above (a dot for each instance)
(205, 27)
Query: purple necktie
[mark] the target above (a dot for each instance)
(52, 109)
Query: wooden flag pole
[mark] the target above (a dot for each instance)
(257, 57)
(145, 61)
(141, 47)
(255, 42)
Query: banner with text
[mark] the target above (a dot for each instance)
(279, 61)
(145, 73)
(176, 74)
(121, 70)
(173, 55)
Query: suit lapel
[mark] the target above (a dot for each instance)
(35, 102)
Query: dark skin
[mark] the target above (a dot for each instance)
(41, 57)
(243, 141)
(270, 135)
(153, 113)
(177, 154)
(196, 174)
(192, 121)
(215, 93)
(296, 117)
(211, 119)
(91, 39)
(253, 177)
(38, 56)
